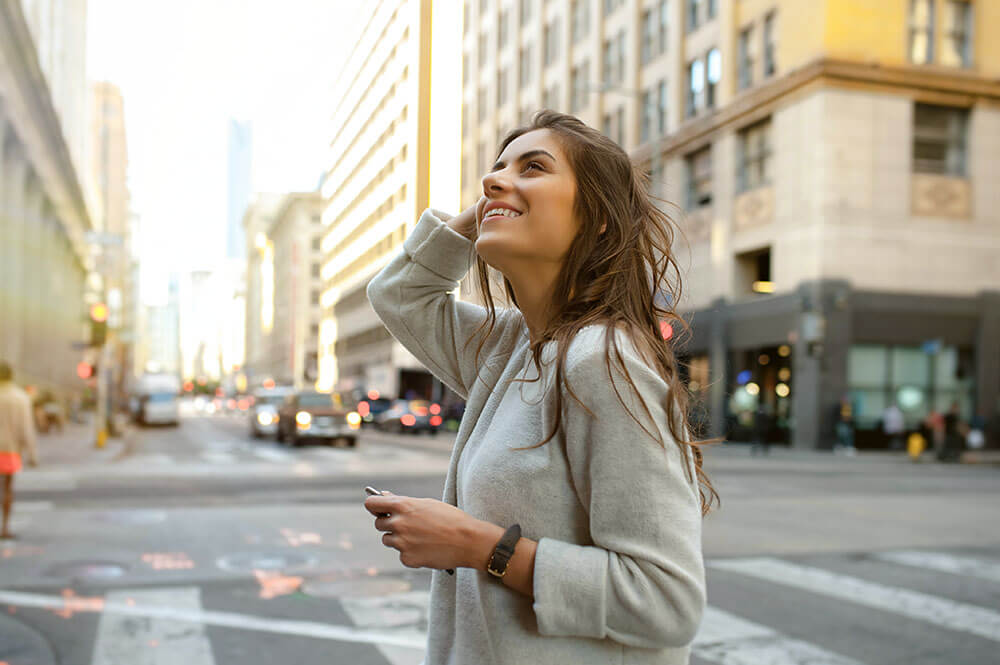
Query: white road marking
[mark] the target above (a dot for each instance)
(273, 455)
(401, 613)
(913, 604)
(214, 457)
(124, 640)
(213, 618)
(52, 481)
(32, 506)
(944, 563)
(731, 640)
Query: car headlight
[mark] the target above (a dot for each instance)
(354, 419)
(303, 418)
(265, 418)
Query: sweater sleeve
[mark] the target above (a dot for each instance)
(412, 295)
(642, 582)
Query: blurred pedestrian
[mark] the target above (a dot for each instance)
(844, 427)
(893, 426)
(934, 424)
(17, 438)
(954, 437)
(761, 430)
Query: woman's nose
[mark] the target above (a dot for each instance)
(494, 181)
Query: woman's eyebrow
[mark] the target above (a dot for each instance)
(527, 155)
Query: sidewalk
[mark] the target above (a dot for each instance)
(76, 445)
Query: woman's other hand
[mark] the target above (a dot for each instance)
(467, 222)
(428, 533)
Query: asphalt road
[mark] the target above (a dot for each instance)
(204, 546)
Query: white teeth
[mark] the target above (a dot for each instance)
(502, 211)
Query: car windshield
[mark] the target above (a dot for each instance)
(319, 399)
(162, 397)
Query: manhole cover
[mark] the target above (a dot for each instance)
(358, 587)
(133, 517)
(245, 562)
(87, 570)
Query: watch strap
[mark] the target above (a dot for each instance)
(502, 553)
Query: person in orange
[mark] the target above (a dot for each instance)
(17, 436)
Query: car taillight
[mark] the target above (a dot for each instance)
(435, 409)
(420, 410)
(364, 409)
(435, 421)
(408, 419)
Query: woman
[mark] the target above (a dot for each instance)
(599, 473)
(17, 436)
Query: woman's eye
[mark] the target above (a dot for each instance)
(535, 164)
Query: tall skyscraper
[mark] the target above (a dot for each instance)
(240, 165)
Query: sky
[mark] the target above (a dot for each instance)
(185, 68)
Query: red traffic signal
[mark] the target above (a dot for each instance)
(84, 370)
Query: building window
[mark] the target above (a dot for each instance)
(503, 28)
(526, 6)
(481, 104)
(699, 178)
(551, 42)
(746, 58)
(754, 164)
(769, 55)
(714, 71)
(648, 31)
(611, 6)
(614, 59)
(662, 106)
(712, 9)
(939, 139)
(695, 88)
(502, 87)
(693, 14)
(317, 244)
(646, 126)
(465, 172)
(551, 97)
(314, 296)
(315, 270)
(957, 51)
(524, 67)
(921, 31)
(483, 6)
(481, 51)
(664, 25)
(613, 125)
(580, 87)
(580, 17)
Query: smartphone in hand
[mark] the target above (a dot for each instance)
(371, 491)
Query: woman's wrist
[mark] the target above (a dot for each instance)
(481, 539)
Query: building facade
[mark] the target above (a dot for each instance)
(394, 150)
(830, 169)
(259, 284)
(44, 214)
(291, 351)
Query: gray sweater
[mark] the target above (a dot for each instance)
(619, 575)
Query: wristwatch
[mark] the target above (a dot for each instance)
(497, 566)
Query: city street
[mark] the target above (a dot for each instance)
(201, 545)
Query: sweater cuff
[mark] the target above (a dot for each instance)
(437, 247)
(569, 589)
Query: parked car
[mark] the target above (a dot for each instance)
(311, 415)
(263, 410)
(414, 416)
(370, 409)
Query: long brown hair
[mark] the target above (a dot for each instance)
(611, 277)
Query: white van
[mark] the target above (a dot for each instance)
(156, 399)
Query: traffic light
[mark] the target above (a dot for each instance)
(84, 370)
(98, 324)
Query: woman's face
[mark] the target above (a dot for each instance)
(533, 178)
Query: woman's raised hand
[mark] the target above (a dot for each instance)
(467, 221)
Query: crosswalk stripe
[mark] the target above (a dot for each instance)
(731, 640)
(218, 457)
(944, 563)
(162, 641)
(51, 481)
(273, 455)
(913, 604)
(214, 618)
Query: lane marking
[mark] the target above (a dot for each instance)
(214, 618)
(944, 563)
(402, 613)
(214, 457)
(121, 640)
(48, 481)
(729, 639)
(273, 455)
(913, 604)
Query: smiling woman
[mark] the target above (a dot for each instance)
(587, 550)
